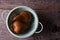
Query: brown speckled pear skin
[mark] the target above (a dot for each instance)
(24, 16)
(17, 27)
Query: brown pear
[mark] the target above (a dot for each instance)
(17, 27)
(24, 16)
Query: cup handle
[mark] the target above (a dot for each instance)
(40, 29)
(4, 14)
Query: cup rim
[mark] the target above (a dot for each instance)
(36, 22)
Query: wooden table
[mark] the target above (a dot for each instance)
(48, 12)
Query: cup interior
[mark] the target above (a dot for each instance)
(14, 12)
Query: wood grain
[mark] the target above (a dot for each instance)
(35, 4)
(48, 12)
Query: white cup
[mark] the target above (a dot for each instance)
(34, 26)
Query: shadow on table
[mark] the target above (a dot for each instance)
(49, 21)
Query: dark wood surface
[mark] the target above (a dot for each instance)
(48, 12)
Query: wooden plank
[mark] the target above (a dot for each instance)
(37, 4)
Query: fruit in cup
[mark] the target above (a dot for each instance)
(24, 16)
(17, 27)
(21, 21)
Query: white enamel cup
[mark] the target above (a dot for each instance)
(34, 26)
